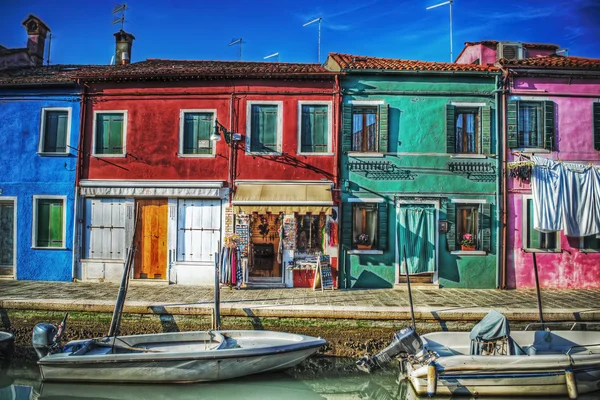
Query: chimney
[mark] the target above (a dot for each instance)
(37, 31)
(123, 49)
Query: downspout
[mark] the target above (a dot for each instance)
(499, 188)
(82, 117)
(337, 102)
(505, 92)
(232, 146)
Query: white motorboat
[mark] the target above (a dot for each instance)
(170, 357)
(492, 361)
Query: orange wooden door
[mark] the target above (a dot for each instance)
(151, 240)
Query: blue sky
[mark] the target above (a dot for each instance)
(201, 30)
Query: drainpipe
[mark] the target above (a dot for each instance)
(82, 117)
(505, 92)
(232, 148)
(499, 188)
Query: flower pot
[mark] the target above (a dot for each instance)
(364, 246)
(467, 248)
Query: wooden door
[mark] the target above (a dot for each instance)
(151, 240)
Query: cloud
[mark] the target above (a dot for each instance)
(517, 14)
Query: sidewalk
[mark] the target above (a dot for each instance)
(372, 304)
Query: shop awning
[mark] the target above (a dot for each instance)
(288, 198)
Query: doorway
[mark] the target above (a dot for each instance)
(151, 240)
(416, 224)
(265, 261)
(7, 238)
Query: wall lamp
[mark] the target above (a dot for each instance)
(229, 136)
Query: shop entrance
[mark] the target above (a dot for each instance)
(417, 233)
(264, 264)
(151, 240)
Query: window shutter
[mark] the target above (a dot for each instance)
(450, 129)
(548, 110)
(486, 227)
(486, 130)
(382, 211)
(43, 234)
(596, 112)
(451, 218)
(383, 127)
(55, 135)
(346, 128)
(512, 124)
(346, 225)
(533, 235)
(116, 134)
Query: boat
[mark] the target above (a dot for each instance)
(492, 361)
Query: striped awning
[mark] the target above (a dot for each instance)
(287, 198)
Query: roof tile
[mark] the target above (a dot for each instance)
(352, 62)
(554, 61)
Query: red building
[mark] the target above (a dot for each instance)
(149, 145)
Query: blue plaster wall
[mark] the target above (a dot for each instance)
(24, 173)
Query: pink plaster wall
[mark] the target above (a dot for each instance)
(485, 54)
(574, 137)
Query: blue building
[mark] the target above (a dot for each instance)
(39, 130)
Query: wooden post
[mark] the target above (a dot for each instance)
(216, 323)
(410, 300)
(537, 289)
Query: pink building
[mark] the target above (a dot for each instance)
(551, 110)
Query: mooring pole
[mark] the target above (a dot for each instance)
(537, 288)
(410, 301)
(217, 308)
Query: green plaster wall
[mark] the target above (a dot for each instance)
(417, 126)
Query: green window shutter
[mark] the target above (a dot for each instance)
(56, 224)
(450, 129)
(49, 223)
(346, 225)
(382, 211)
(486, 227)
(533, 236)
(346, 128)
(486, 130)
(383, 127)
(109, 133)
(314, 135)
(512, 124)
(596, 114)
(264, 128)
(196, 127)
(451, 218)
(548, 112)
(55, 131)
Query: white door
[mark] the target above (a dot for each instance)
(198, 229)
(104, 231)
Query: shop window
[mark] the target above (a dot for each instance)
(364, 129)
(310, 232)
(533, 239)
(590, 243)
(105, 228)
(110, 130)
(365, 226)
(196, 130)
(264, 128)
(54, 130)
(314, 128)
(49, 222)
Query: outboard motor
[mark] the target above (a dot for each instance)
(47, 337)
(404, 343)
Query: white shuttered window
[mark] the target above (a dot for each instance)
(198, 229)
(105, 228)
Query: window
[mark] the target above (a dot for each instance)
(533, 239)
(364, 129)
(530, 124)
(198, 229)
(48, 222)
(467, 130)
(469, 225)
(590, 243)
(530, 121)
(264, 128)
(109, 132)
(105, 221)
(364, 226)
(310, 232)
(196, 129)
(55, 130)
(314, 128)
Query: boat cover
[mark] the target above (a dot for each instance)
(493, 327)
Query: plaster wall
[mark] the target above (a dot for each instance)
(25, 174)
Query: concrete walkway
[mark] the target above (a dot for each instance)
(372, 304)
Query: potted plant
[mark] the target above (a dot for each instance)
(362, 242)
(467, 243)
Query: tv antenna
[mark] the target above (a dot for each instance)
(272, 55)
(120, 8)
(449, 2)
(237, 41)
(319, 41)
(49, 45)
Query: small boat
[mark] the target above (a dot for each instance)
(177, 357)
(492, 361)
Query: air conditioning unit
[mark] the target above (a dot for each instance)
(510, 50)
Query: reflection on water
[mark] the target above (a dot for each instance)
(339, 381)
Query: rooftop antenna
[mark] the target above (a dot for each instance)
(236, 41)
(272, 55)
(449, 2)
(559, 51)
(120, 8)
(319, 42)
(49, 44)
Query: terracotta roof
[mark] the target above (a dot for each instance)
(526, 45)
(53, 74)
(348, 62)
(156, 69)
(554, 61)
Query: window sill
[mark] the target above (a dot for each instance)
(259, 153)
(361, 154)
(54, 154)
(315, 154)
(196, 155)
(530, 150)
(48, 248)
(468, 156)
(109, 155)
(365, 251)
(541, 251)
(468, 253)
(103, 260)
(589, 250)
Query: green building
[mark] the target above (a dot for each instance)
(419, 172)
